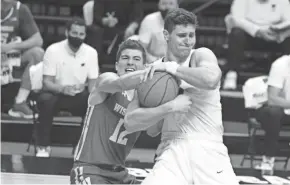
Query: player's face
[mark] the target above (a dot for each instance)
(181, 40)
(130, 60)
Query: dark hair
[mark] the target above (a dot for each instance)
(131, 44)
(179, 16)
(77, 21)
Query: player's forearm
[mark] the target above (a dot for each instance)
(143, 118)
(34, 41)
(155, 130)
(119, 84)
(201, 77)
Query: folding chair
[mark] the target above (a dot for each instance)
(58, 120)
(256, 132)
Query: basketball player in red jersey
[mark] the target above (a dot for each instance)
(105, 143)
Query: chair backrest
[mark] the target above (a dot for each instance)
(88, 10)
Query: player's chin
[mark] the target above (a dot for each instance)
(184, 52)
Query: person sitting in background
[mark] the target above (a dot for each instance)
(67, 65)
(20, 46)
(151, 30)
(277, 111)
(257, 23)
(113, 21)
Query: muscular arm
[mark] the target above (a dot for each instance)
(275, 99)
(109, 83)
(206, 74)
(137, 118)
(155, 130)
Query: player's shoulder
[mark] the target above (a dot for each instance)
(107, 76)
(203, 51)
(152, 16)
(282, 62)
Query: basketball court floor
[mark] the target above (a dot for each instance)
(21, 167)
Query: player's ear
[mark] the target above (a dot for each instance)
(166, 35)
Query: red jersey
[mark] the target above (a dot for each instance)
(104, 139)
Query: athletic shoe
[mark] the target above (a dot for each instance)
(266, 166)
(43, 151)
(21, 110)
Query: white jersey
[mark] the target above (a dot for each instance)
(204, 117)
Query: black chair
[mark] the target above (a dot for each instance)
(59, 120)
(256, 132)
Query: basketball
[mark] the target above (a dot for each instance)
(162, 88)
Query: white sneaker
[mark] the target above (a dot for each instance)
(43, 151)
(231, 80)
(266, 166)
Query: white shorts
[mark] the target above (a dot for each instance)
(192, 161)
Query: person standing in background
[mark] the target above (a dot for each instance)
(113, 22)
(151, 30)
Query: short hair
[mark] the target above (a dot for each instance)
(131, 44)
(77, 21)
(179, 16)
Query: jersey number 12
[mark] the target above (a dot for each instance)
(120, 138)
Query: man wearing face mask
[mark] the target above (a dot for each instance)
(68, 67)
(151, 30)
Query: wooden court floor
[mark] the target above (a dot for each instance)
(21, 167)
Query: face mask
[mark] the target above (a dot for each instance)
(163, 13)
(75, 41)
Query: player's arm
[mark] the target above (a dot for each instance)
(155, 130)
(137, 118)
(110, 83)
(204, 74)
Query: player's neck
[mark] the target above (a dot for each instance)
(171, 57)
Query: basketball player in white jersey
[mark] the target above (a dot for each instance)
(191, 149)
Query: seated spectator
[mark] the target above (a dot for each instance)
(88, 12)
(111, 24)
(151, 30)
(67, 65)
(277, 111)
(260, 24)
(20, 46)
